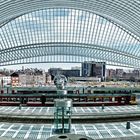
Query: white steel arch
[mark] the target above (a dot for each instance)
(105, 30)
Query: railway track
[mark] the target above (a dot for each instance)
(89, 118)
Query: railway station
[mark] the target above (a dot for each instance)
(93, 33)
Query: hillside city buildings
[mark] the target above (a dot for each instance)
(90, 71)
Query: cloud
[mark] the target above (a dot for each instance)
(65, 25)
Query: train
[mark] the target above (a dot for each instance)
(87, 96)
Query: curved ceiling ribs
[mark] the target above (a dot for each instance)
(36, 50)
(125, 12)
(103, 30)
(63, 51)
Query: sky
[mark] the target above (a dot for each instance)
(46, 66)
(64, 25)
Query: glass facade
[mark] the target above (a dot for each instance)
(68, 35)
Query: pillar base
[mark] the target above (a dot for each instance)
(69, 137)
(60, 131)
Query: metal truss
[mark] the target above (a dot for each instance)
(66, 53)
(123, 12)
(83, 30)
(61, 58)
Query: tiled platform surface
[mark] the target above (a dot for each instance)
(42, 132)
(76, 110)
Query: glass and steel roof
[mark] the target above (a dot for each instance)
(57, 33)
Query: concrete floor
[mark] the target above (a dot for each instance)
(42, 132)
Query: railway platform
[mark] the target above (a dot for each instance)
(36, 123)
(79, 114)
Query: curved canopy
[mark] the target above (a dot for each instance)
(83, 30)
